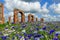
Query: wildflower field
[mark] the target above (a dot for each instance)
(30, 31)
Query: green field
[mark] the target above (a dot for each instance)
(30, 31)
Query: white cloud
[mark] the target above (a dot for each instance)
(26, 14)
(58, 16)
(26, 6)
(44, 8)
(48, 17)
(55, 8)
(7, 16)
(11, 13)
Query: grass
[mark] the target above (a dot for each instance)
(45, 34)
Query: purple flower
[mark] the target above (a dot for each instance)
(12, 23)
(30, 35)
(25, 34)
(26, 38)
(4, 37)
(37, 35)
(23, 26)
(13, 27)
(20, 36)
(17, 35)
(42, 36)
(37, 24)
(56, 26)
(55, 38)
(37, 29)
(37, 38)
(51, 31)
(6, 28)
(44, 28)
(56, 34)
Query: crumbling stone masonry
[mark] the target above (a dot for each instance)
(30, 18)
(9, 19)
(16, 11)
(1, 13)
(36, 19)
(41, 20)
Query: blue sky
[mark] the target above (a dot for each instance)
(2, 1)
(47, 9)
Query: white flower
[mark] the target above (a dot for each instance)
(22, 38)
(17, 32)
(58, 32)
(37, 38)
(10, 31)
(40, 30)
(13, 30)
(35, 31)
(6, 29)
(5, 34)
(23, 31)
(15, 38)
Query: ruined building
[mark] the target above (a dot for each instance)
(16, 11)
(30, 18)
(1, 13)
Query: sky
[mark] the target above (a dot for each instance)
(47, 9)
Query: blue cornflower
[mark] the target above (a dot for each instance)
(30, 35)
(51, 31)
(56, 26)
(20, 36)
(37, 38)
(42, 36)
(44, 28)
(13, 27)
(17, 35)
(25, 34)
(24, 26)
(26, 38)
(37, 35)
(4, 37)
(37, 24)
(37, 29)
(6, 28)
(56, 34)
(55, 38)
(12, 23)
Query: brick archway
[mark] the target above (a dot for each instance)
(30, 18)
(16, 11)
